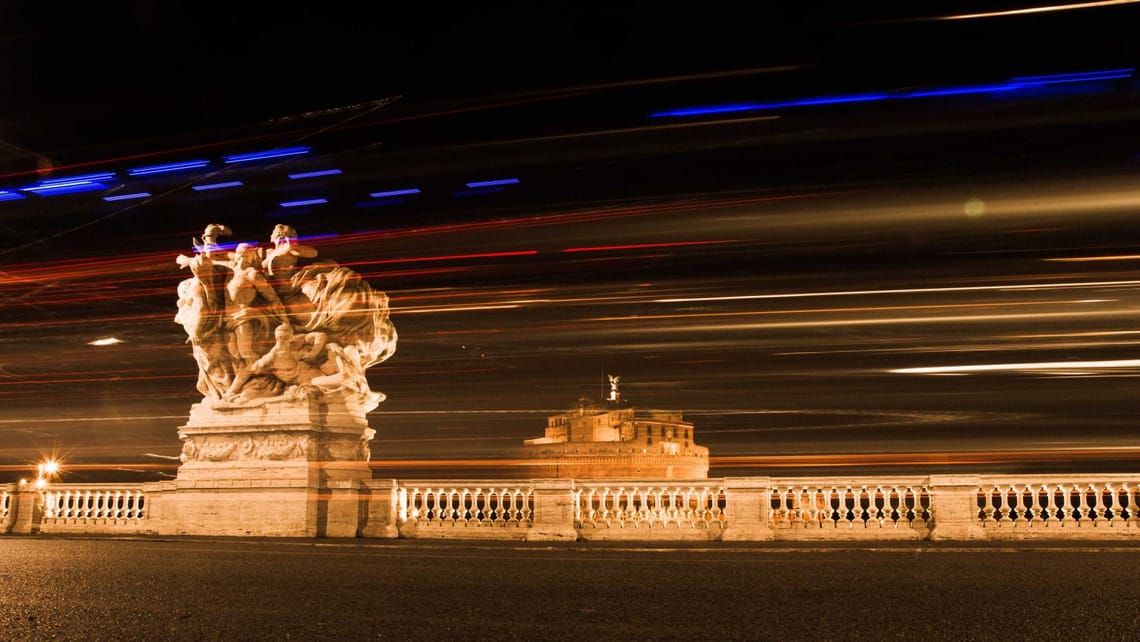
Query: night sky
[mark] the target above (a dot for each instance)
(886, 256)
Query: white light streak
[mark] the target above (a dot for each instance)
(1089, 259)
(1068, 366)
(468, 308)
(1042, 9)
(109, 341)
(963, 288)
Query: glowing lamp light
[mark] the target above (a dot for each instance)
(109, 341)
(50, 467)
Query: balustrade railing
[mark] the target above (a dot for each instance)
(801, 503)
(83, 502)
(939, 507)
(650, 505)
(468, 504)
(1075, 502)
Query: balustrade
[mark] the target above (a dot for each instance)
(1082, 503)
(448, 504)
(939, 507)
(82, 503)
(796, 504)
(649, 505)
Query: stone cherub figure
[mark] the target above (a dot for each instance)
(282, 323)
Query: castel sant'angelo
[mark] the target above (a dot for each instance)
(616, 440)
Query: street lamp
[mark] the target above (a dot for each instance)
(45, 471)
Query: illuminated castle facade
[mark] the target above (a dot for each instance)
(594, 441)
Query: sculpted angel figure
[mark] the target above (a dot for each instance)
(252, 307)
(281, 262)
(199, 312)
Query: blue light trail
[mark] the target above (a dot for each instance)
(1014, 84)
(323, 172)
(151, 170)
(395, 192)
(210, 186)
(309, 201)
(503, 181)
(126, 197)
(268, 154)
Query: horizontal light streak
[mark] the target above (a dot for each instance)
(396, 192)
(1041, 365)
(98, 176)
(1090, 259)
(66, 420)
(778, 325)
(1041, 9)
(151, 170)
(266, 155)
(307, 201)
(492, 183)
(962, 288)
(6, 195)
(450, 257)
(1025, 82)
(641, 246)
(127, 197)
(961, 457)
(456, 308)
(109, 341)
(315, 174)
(210, 186)
(70, 187)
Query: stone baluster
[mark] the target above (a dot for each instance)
(875, 506)
(1040, 503)
(1133, 502)
(1020, 508)
(643, 510)
(1083, 508)
(1067, 510)
(1098, 504)
(861, 503)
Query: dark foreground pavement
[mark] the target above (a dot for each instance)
(54, 588)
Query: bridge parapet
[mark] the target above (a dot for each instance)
(948, 507)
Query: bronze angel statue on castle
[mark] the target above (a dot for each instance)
(271, 322)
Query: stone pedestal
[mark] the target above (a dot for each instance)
(27, 510)
(747, 505)
(954, 502)
(553, 518)
(291, 467)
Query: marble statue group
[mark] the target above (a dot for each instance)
(277, 322)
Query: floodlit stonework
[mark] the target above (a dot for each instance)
(615, 441)
(279, 443)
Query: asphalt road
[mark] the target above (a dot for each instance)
(54, 588)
